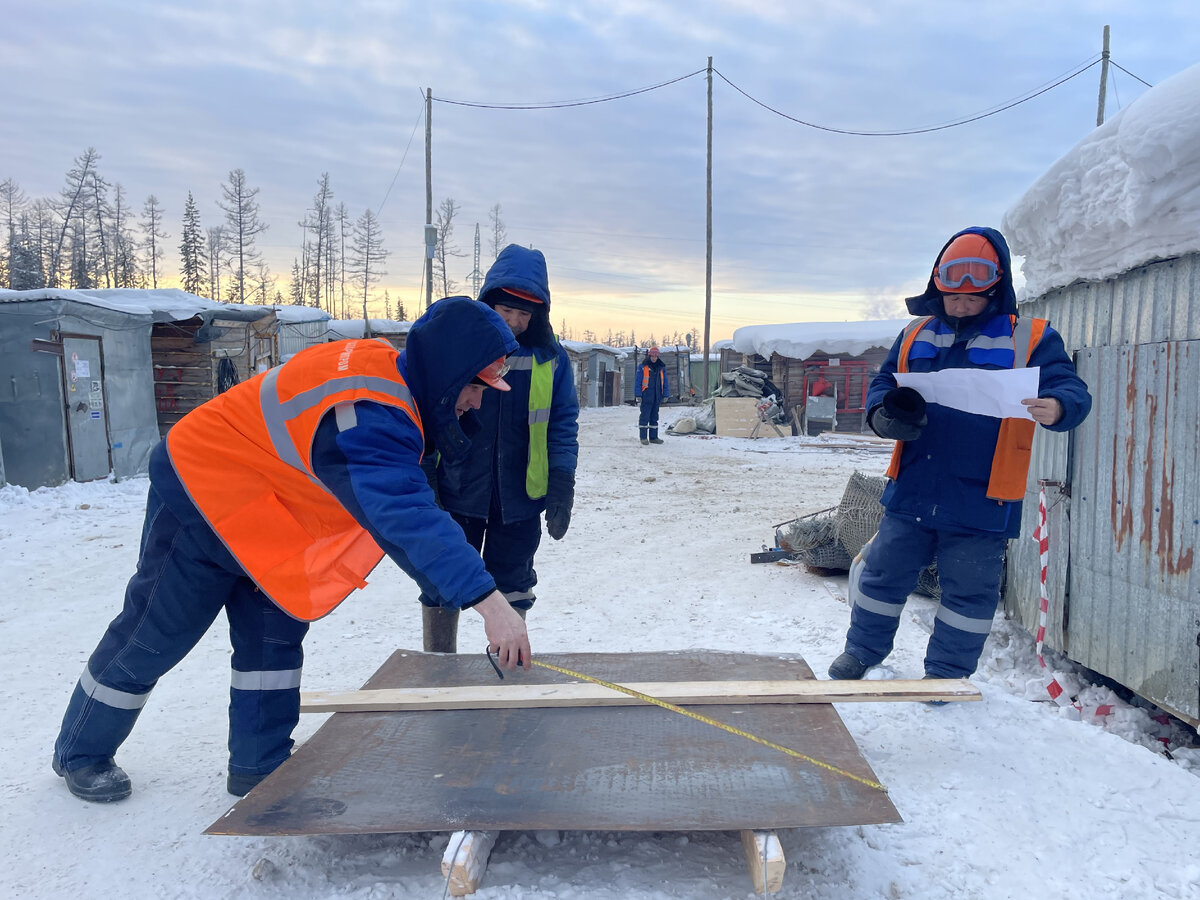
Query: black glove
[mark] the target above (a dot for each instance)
(901, 415)
(560, 494)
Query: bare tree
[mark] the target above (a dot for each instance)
(343, 218)
(444, 222)
(216, 252)
(499, 232)
(316, 229)
(241, 218)
(126, 272)
(152, 218)
(367, 255)
(69, 209)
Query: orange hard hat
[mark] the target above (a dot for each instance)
(492, 376)
(968, 265)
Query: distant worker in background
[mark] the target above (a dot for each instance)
(957, 478)
(650, 387)
(273, 501)
(523, 454)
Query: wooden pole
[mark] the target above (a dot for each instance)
(428, 190)
(708, 235)
(1103, 80)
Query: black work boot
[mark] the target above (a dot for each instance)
(439, 629)
(241, 785)
(102, 782)
(847, 668)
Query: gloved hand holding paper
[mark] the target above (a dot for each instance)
(986, 392)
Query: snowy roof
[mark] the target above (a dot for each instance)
(800, 340)
(163, 304)
(1126, 194)
(170, 303)
(353, 328)
(584, 347)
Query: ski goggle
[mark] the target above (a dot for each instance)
(979, 273)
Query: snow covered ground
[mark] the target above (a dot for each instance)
(1004, 798)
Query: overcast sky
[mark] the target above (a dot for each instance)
(808, 225)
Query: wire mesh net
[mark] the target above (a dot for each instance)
(860, 512)
(813, 540)
(831, 538)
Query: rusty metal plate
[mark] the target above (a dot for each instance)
(598, 768)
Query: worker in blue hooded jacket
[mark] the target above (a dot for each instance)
(957, 478)
(524, 453)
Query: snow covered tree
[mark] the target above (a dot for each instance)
(192, 256)
(12, 199)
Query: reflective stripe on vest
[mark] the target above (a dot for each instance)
(243, 458)
(1014, 444)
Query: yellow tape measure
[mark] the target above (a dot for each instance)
(713, 722)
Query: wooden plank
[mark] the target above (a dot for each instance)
(576, 693)
(466, 859)
(764, 856)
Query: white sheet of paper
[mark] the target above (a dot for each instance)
(987, 392)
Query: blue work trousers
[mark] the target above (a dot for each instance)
(648, 418)
(185, 576)
(507, 550)
(970, 568)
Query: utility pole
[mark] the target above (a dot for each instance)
(1103, 79)
(708, 236)
(429, 226)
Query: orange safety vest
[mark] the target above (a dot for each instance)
(1014, 444)
(244, 458)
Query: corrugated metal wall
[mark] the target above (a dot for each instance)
(1124, 599)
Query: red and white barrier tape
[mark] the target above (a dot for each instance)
(1042, 535)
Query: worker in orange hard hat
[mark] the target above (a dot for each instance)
(273, 502)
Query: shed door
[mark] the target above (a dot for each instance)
(83, 388)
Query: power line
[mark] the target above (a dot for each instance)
(560, 104)
(1029, 95)
(402, 159)
(1127, 72)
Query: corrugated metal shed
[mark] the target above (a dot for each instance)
(76, 392)
(597, 372)
(1124, 596)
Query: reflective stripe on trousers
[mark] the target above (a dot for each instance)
(185, 577)
(970, 568)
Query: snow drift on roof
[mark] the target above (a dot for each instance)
(800, 340)
(1126, 194)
